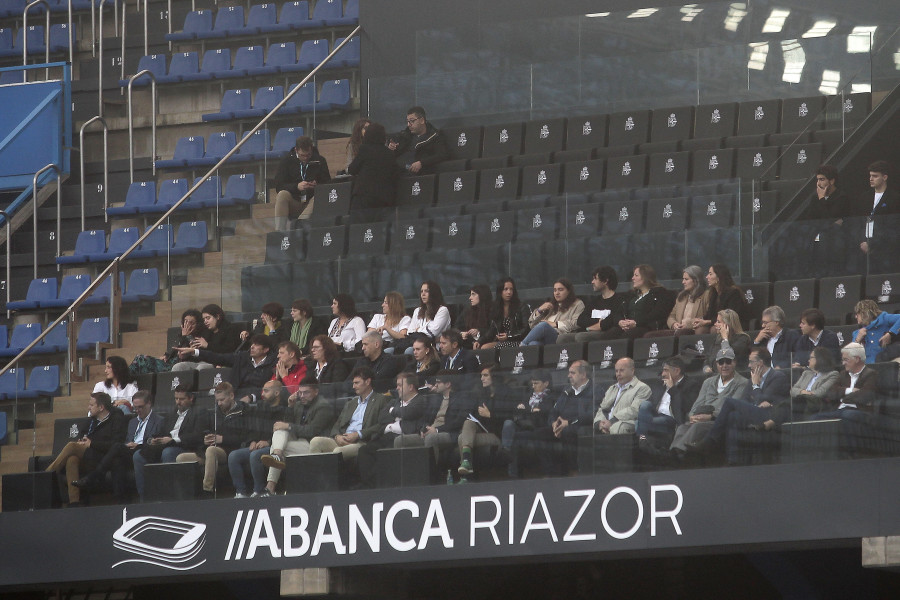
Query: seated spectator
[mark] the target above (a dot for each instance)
(262, 417)
(814, 335)
(527, 416)
(830, 207)
(690, 304)
(191, 327)
(384, 367)
(223, 338)
(269, 324)
(419, 147)
(427, 361)
(766, 407)
(182, 431)
(430, 318)
(444, 423)
(776, 337)
(358, 422)
(295, 181)
(597, 315)
(356, 139)
(347, 328)
(107, 426)
(557, 315)
(324, 365)
(250, 369)
(729, 335)
(484, 427)
(878, 332)
(228, 429)
(118, 384)
(809, 392)
(854, 394)
(309, 416)
(727, 383)
(509, 318)
(722, 293)
(474, 321)
(618, 410)
(305, 326)
(556, 441)
(374, 177)
(670, 402)
(393, 322)
(457, 359)
(642, 310)
(401, 415)
(289, 369)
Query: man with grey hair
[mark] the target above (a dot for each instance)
(776, 338)
(854, 393)
(619, 409)
(383, 365)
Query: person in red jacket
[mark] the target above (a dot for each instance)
(289, 369)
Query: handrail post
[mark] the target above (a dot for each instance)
(100, 64)
(105, 174)
(152, 122)
(115, 298)
(71, 37)
(146, 31)
(25, 28)
(6, 217)
(35, 207)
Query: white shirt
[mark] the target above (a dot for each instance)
(351, 333)
(665, 403)
(434, 327)
(378, 321)
(174, 433)
(118, 393)
(854, 377)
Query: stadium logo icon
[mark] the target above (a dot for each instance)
(586, 128)
(629, 124)
(545, 132)
(187, 539)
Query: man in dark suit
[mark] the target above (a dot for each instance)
(403, 415)
(182, 431)
(384, 366)
(775, 337)
(813, 335)
(877, 220)
(767, 406)
(250, 370)
(459, 360)
(670, 401)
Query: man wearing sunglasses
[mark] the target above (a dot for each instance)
(420, 146)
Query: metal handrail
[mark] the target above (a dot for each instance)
(6, 217)
(102, 121)
(46, 31)
(152, 122)
(35, 209)
(146, 29)
(71, 36)
(100, 64)
(113, 266)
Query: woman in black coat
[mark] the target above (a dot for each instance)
(374, 177)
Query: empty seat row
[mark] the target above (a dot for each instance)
(90, 332)
(265, 19)
(630, 128)
(142, 196)
(42, 381)
(12, 43)
(249, 61)
(15, 8)
(237, 104)
(143, 285)
(90, 246)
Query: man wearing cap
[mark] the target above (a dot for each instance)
(709, 402)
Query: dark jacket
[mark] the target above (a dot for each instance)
(462, 325)
(804, 347)
(245, 378)
(281, 334)
(740, 345)
(311, 420)
(261, 417)
(501, 404)
(291, 172)
(526, 419)
(430, 150)
(335, 371)
(234, 427)
(411, 416)
(782, 352)
(375, 177)
(682, 397)
(225, 340)
(776, 390)
(864, 395)
(515, 326)
(577, 409)
(458, 409)
(153, 428)
(732, 298)
(385, 367)
(651, 311)
(192, 427)
(370, 425)
(104, 434)
(466, 362)
(585, 319)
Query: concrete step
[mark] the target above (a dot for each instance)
(246, 248)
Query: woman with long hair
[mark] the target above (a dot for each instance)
(509, 318)
(375, 175)
(118, 383)
(431, 318)
(729, 334)
(347, 328)
(474, 321)
(222, 338)
(644, 309)
(689, 304)
(191, 327)
(393, 322)
(815, 381)
(559, 314)
(723, 293)
(356, 139)
(427, 361)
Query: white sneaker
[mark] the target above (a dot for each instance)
(240, 495)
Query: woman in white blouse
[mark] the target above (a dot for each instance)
(346, 329)
(393, 322)
(118, 383)
(431, 317)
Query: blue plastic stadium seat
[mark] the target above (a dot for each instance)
(266, 99)
(348, 56)
(170, 192)
(4, 337)
(285, 138)
(195, 22)
(350, 17)
(279, 58)
(7, 77)
(70, 288)
(120, 240)
(192, 237)
(261, 18)
(312, 52)
(55, 341)
(246, 58)
(155, 63)
(22, 335)
(12, 384)
(335, 95)
(44, 380)
(35, 37)
(13, 8)
(256, 147)
(303, 101)
(59, 37)
(158, 243)
(92, 332)
(228, 18)
(42, 289)
(240, 189)
(141, 195)
(184, 66)
(187, 150)
(219, 145)
(7, 35)
(232, 102)
(216, 63)
(143, 284)
(103, 292)
(88, 242)
(326, 10)
(207, 195)
(294, 16)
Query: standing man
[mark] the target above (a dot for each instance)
(879, 240)
(295, 180)
(829, 208)
(357, 423)
(596, 317)
(419, 147)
